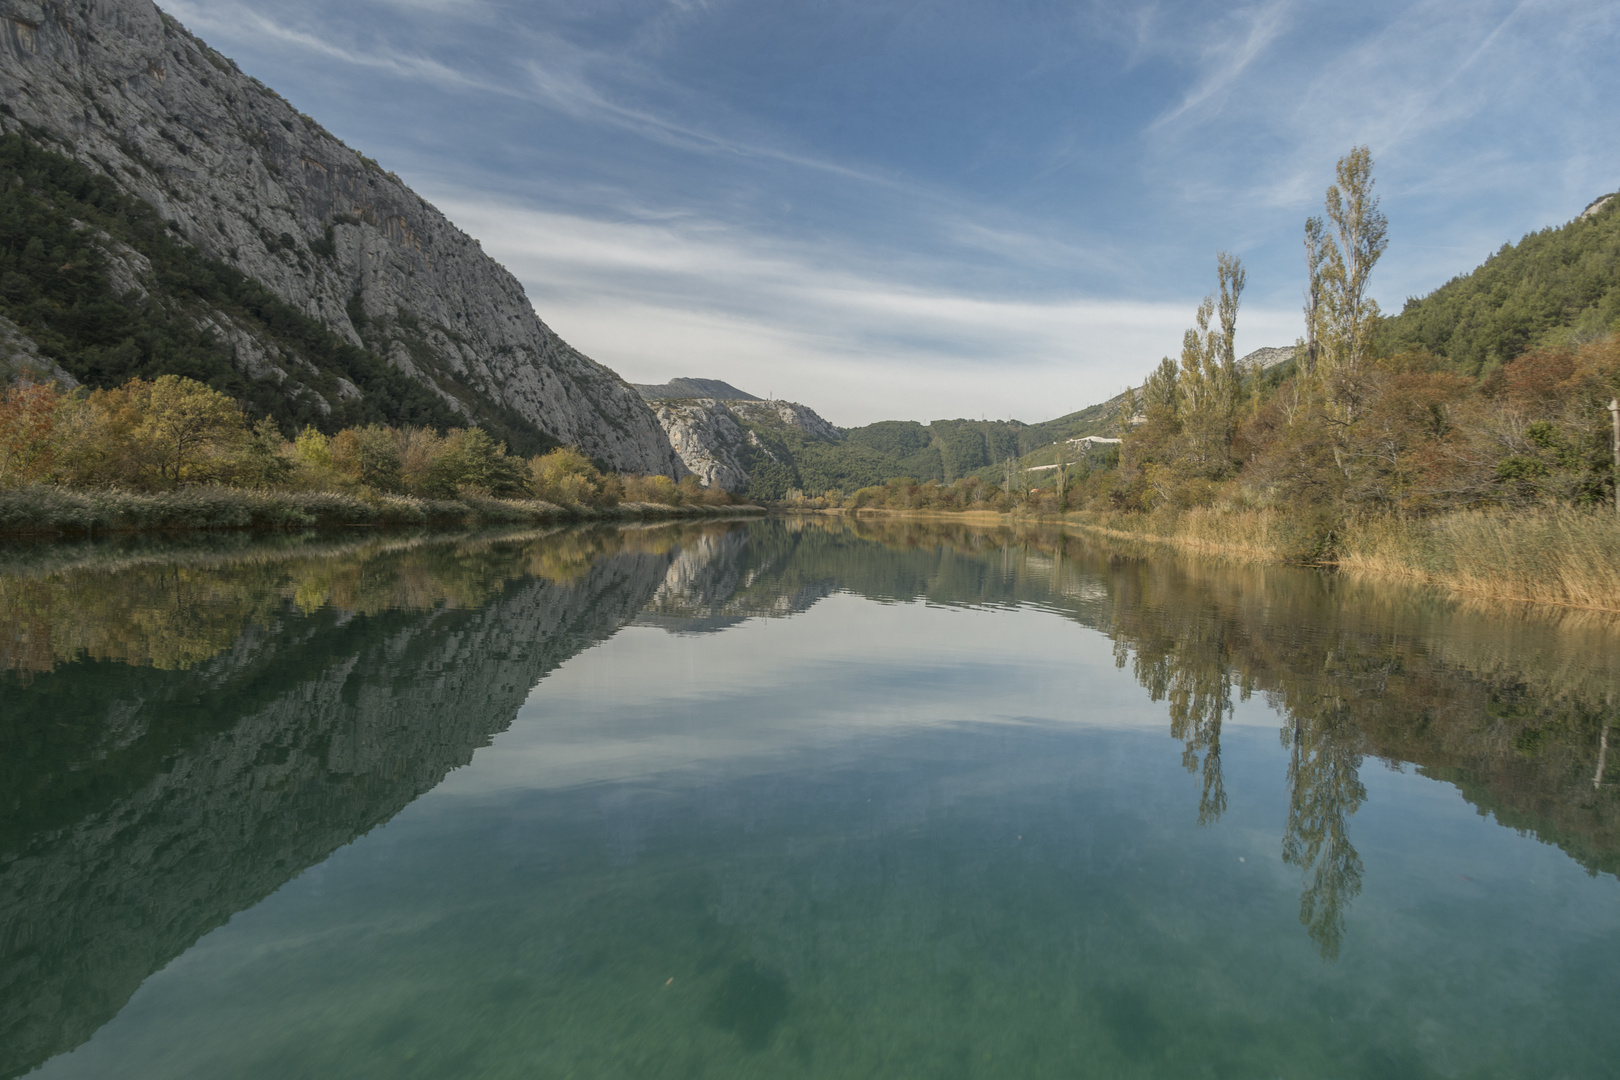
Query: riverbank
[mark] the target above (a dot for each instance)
(1555, 556)
(47, 511)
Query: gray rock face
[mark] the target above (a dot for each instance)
(22, 363)
(792, 415)
(715, 445)
(708, 439)
(1261, 359)
(251, 181)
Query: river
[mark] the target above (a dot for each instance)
(799, 797)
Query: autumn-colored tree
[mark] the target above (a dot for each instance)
(567, 477)
(174, 430)
(369, 455)
(471, 462)
(26, 417)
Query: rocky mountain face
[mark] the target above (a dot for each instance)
(238, 172)
(719, 440)
(1264, 359)
(22, 362)
(732, 439)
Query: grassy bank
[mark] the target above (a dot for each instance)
(48, 510)
(1547, 556)
(1551, 555)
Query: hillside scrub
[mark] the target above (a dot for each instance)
(1554, 287)
(62, 226)
(174, 453)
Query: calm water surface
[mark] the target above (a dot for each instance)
(792, 799)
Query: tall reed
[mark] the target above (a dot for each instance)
(1245, 535)
(1550, 556)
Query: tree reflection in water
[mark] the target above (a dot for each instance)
(1324, 789)
(1186, 661)
(180, 662)
(1194, 676)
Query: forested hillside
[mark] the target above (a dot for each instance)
(1555, 287)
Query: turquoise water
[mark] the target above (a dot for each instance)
(794, 799)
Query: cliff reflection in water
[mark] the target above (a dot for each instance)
(185, 732)
(188, 729)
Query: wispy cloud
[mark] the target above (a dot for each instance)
(562, 81)
(1228, 55)
(659, 299)
(233, 17)
(565, 77)
(856, 230)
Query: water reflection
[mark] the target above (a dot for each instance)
(184, 734)
(189, 728)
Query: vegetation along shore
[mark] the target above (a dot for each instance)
(173, 453)
(1469, 441)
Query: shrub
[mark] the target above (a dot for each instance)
(567, 477)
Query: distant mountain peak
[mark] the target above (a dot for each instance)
(693, 388)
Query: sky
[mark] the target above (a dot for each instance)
(923, 210)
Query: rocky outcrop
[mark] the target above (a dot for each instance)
(718, 439)
(21, 362)
(707, 437)
(788, 414)
(1262, 359)
(249, 180)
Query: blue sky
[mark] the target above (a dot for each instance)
(922, 210)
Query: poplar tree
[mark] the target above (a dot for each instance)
(1229, 384)
(1346, 315)
(1316, 241)
(1161, 393)
(1209, 383)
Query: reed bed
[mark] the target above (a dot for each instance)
(1241, 535)
(1549, 556)
(1554, 555)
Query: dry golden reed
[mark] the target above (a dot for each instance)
(1549, 556)
(1242, 535)
(1553, 555)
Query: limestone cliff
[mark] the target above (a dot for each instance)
(719, 439)
(249, 180)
